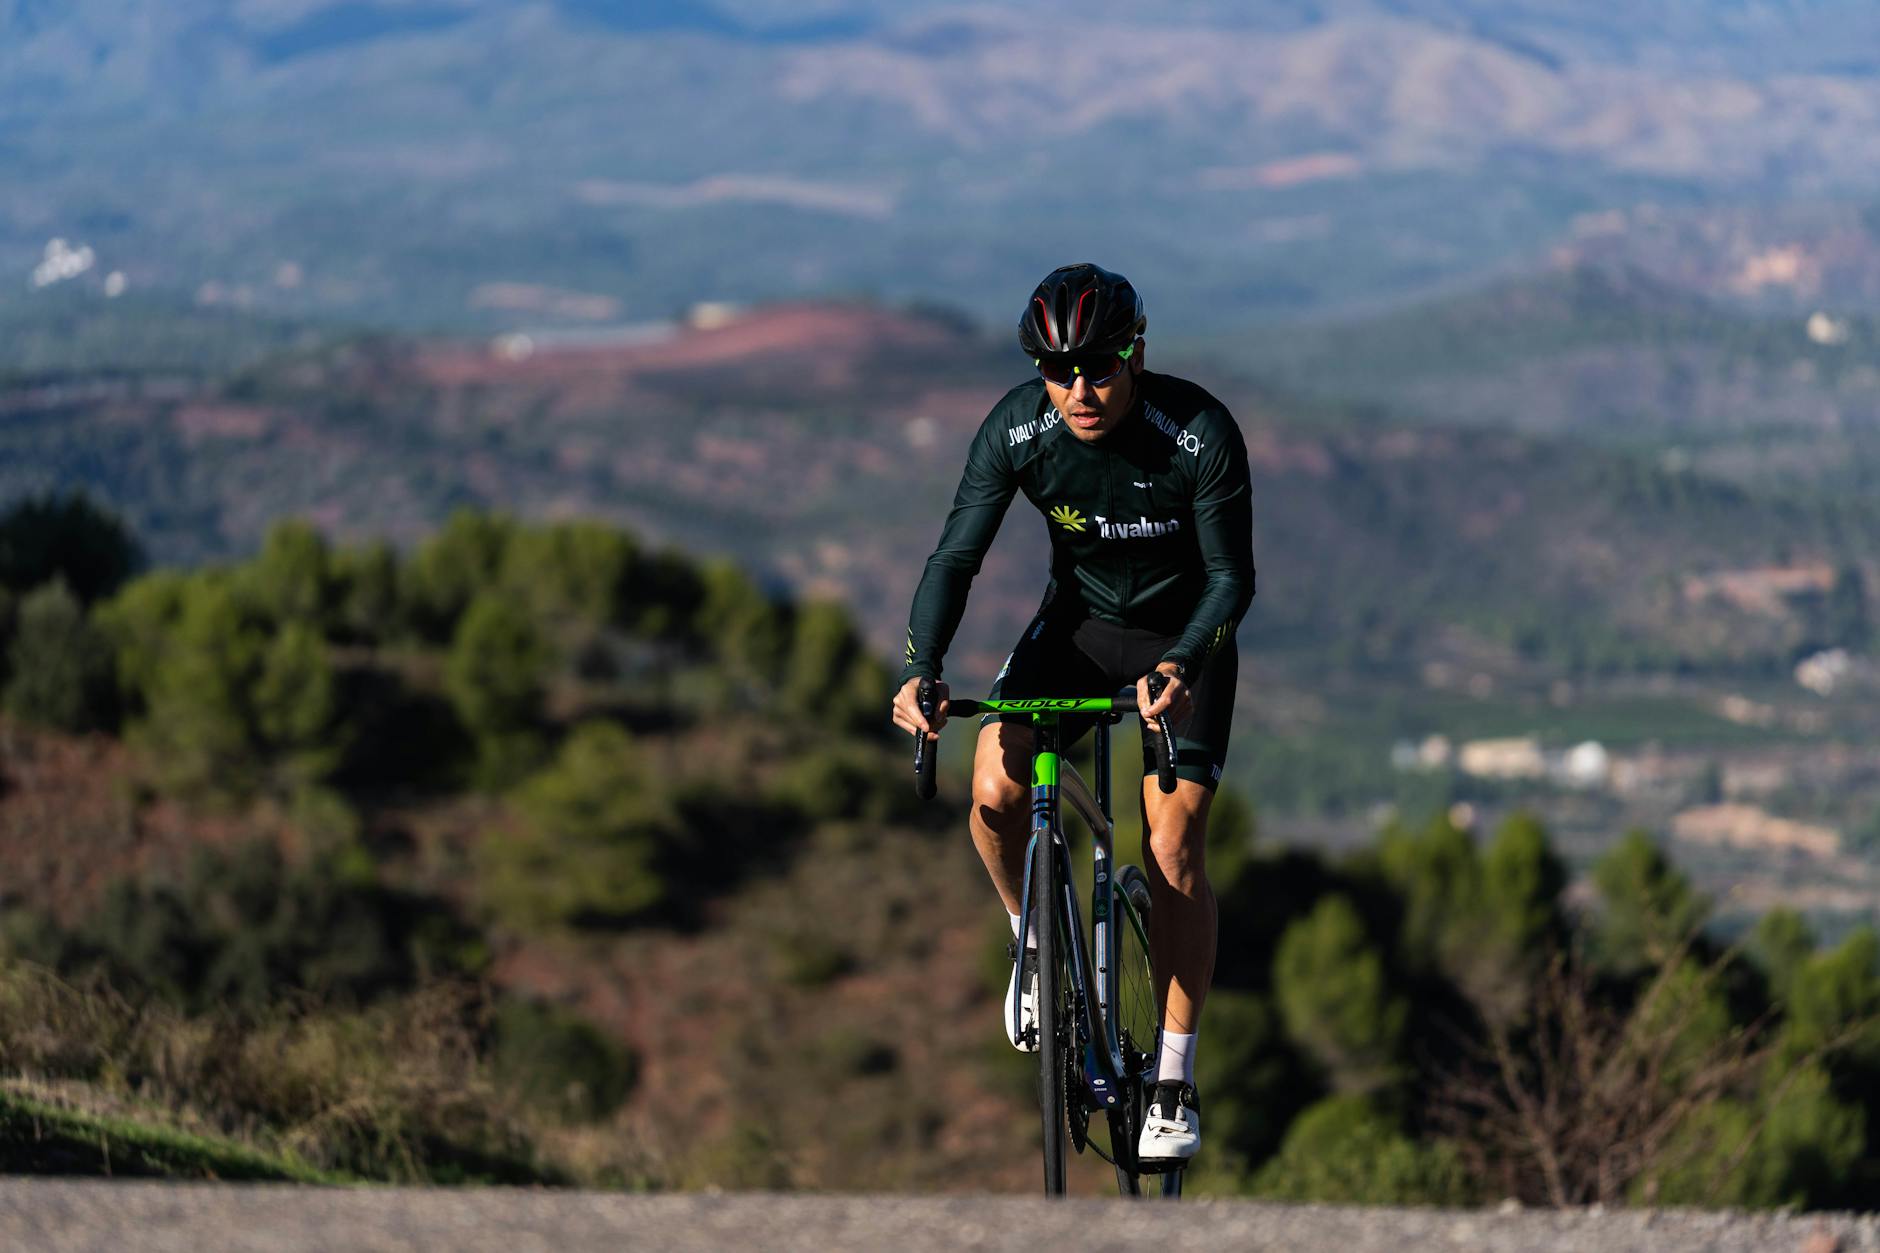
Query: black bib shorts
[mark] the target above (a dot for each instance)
(1085, 656)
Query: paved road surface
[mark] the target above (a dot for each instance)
(171, 1218)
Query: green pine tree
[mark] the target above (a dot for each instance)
(43, 538)
(1344, 1151)
(454, 566)
(61, 666)
(365, 582)
(291, 579)
(296, 708)
(1648, 907)
(495, 677)
(197, 727)
(1333, 990)
(596, 822)
(572, 575)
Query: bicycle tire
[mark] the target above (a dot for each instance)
(1052, 1021)
(1137, 1018)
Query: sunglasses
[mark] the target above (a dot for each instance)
(1095, 369)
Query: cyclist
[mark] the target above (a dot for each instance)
(1142, 480)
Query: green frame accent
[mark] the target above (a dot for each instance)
(1044, 770)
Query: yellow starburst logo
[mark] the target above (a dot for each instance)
(1068, 518)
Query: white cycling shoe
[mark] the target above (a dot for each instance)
(1171, 1127)
(1026, 1041)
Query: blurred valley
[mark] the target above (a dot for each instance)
(1567, 515)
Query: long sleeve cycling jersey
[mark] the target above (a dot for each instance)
(1151, 526)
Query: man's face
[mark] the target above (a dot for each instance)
(1093, 412)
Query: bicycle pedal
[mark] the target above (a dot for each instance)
(1160, 1165)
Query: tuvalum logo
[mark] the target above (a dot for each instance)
(1141, 528)
(1068, 518)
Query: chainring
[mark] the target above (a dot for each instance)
(1076, 1098)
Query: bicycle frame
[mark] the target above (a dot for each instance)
(1098, 1037)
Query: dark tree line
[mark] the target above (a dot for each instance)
(1431, 1021)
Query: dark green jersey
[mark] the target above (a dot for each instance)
(1151, 526)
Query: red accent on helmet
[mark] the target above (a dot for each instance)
(1077, 323)
(1049, 324)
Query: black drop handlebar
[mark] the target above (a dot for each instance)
(1162, 742)
(924, 753)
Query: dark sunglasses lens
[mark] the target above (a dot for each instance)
(1064, 371)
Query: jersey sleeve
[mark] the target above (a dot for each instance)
(1224, 530)
(986, 489)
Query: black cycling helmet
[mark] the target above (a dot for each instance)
(1081, 308)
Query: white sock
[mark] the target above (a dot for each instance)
(1175, 1059)
(1031, 941)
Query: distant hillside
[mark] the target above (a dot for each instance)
(1610, 355)
(821, 444)
(418, 164)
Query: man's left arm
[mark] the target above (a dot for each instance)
(1224, 530)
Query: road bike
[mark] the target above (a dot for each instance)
(1097, 1015)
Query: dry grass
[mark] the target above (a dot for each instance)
(399, 1092)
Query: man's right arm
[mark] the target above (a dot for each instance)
(986, 488)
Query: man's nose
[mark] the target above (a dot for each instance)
(1080, 387)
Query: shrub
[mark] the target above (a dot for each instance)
(61, 667)
(1342, 1151)
(570, 577)
(586, 853)
(291, 579)
(196, 685)
(845, 780)
(1254, 1079)
(747, 629)
(248, 928)
(559, 1062)
(830, 675)
(365, 594)
(137, 623)
(1648, 908)
(1795, 1145)
(495, 678)
(452, 568)
(397, 1092)
(1330, 982)
(295, 708)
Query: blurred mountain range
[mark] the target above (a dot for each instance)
(500, 163)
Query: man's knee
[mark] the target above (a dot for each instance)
(998, 791)
(1178, 836)
(1001, 766)
(1180, 853)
